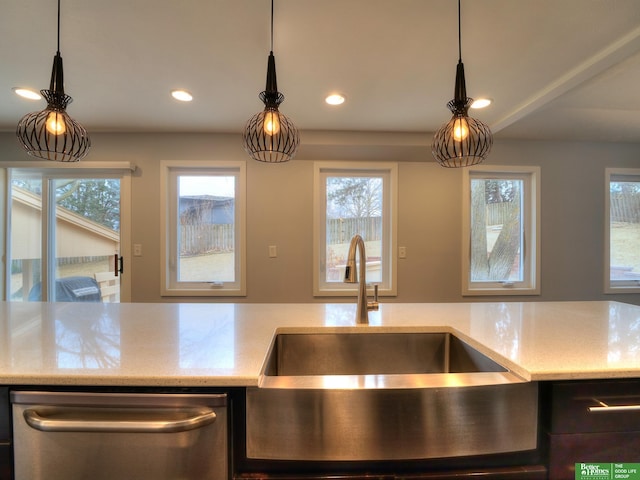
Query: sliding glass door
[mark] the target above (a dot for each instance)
(65, 237)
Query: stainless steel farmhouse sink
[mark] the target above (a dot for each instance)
(387, 353)
(370, 395)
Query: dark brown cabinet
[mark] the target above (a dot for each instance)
(592, 421)
(6, 453)
(508, 473)
(533, 472)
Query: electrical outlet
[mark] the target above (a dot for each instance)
(137, 249)
(402, 252)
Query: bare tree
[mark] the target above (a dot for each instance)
(497, 264)
(355, 197)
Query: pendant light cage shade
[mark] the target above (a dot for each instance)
(269, 136)
(52, 134)
(461, 142)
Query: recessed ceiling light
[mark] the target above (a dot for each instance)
(481, 103)
(181, 95)
(27, 93)
(335, 99)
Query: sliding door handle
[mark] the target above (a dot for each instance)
(118, 264)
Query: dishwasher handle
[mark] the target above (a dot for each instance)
(118, 420)
(614, 408)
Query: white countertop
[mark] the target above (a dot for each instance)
(218, 344)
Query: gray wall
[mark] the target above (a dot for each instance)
(279, 199)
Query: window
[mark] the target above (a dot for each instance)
(501, 231)
(622, 231)
(354, 199)
(202, 228)
(68, 233)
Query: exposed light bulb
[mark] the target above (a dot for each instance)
(55, 123)
(460, 129)
(271, 123)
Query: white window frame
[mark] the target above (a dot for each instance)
(389, 172)
(52, 170)
(530, 285)
(616, 286)
(169, 171)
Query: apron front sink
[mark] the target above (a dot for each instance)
(364, 396)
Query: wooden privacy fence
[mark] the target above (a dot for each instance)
(340, 230)
(202, 239)
(624, 208)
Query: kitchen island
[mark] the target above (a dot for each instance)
(223, 346)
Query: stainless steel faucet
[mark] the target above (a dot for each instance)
(350, 276)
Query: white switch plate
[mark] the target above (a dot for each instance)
(402, 252)
(137, 249)
(273, 251)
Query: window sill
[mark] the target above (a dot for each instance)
(204, 292)
(502, 291)
(622, 290)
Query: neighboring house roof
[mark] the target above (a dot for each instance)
(206, 209)
(77, 236)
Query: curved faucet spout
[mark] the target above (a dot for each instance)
(350, 276)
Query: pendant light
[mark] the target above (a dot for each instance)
(463, 141)
(269, 136)
(52, 134)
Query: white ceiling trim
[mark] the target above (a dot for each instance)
(115, 166)
(594, 65)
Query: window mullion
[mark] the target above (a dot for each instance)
(47, 274)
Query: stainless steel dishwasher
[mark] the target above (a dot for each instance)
(63, 435)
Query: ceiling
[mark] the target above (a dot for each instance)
(555, 69)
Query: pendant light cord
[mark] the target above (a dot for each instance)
(271, 25)
(459, 36)
(58, 51)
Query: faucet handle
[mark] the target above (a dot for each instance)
(374, 304)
